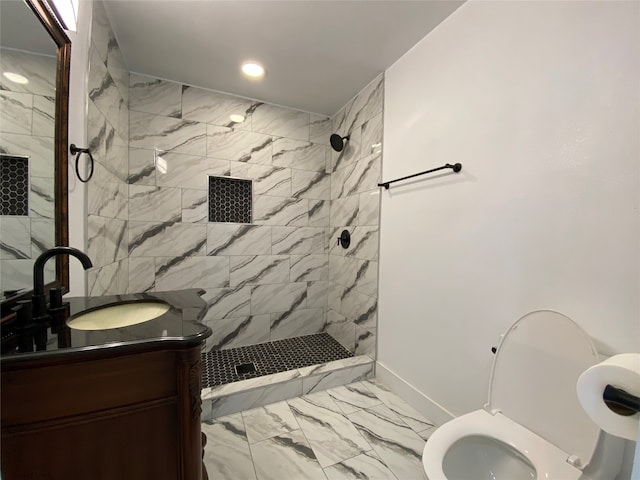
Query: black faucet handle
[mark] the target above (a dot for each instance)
(23, 314)
(55, 298)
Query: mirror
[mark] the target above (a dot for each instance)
(34, 89)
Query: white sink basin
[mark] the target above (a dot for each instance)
(118, 315)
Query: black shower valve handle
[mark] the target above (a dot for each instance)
(344, 239)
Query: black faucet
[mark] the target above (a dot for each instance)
(39, 299)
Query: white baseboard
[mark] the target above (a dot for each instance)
(414, 397)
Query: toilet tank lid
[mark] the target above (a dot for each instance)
(533, 381)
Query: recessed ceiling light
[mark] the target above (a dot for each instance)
(16, 77)
(236, 118)
(253, 69)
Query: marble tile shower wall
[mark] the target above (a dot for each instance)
(264, 280)
(27, 129)
(108, 134)
(355, 206)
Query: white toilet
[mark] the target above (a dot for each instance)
(533, 426)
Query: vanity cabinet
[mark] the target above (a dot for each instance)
(131, 412)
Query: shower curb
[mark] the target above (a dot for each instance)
(256, 392)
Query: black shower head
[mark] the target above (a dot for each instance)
(337, 142)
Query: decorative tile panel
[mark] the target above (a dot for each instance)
(230, 200)
(14, 185)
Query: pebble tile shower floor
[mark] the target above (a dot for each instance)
(219, 366)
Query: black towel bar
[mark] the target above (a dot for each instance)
(455, 167)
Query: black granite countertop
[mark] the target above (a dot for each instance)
(179, 325)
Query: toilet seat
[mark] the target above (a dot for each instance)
(533, 410)
(549, 461)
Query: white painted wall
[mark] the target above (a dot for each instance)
(540, 103)
(80, 41)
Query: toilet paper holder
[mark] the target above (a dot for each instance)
(620, 401)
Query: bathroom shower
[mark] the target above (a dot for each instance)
(337, 142)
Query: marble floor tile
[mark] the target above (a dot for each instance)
(227, 455)
(399, 447)
(313, 437)
(353, 397)
(368, 466)
(331, 435)
(286, 456)
(269, 421)
(416, 421)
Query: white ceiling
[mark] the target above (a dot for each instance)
(20, 29)
(318, 54)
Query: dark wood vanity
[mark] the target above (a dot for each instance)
(127, 409)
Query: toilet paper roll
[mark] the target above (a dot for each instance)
(620, 371)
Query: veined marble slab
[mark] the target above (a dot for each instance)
(167, 134)
(228, 302)
(286, 456)
(269, 421)
(104, 93)
(152, 95)
(42, 235)
(39, 69)
(353, 397)
(278, 297)
(178, 273)
(319, 213)
(151, 239)
(364, 242)
(324, 381)
(298, 241)
(227, 454)
(315, 185)
(372, 136)
(267, 180)
(368, 465)
(238, 332)
(142, 274)
(238, 145)
(215, 108)
(320, 129)
(344, 211)
(154, 204)
(142, 168)
(365, 342)
(15, 243)
(297, 322)
(299, 155)
(39, 150)
(43, 124)
(249, 384)
(332, 437)
(280, 211)
(369, 208)
(398, 446)
(42, 200)
(224, 239)
(258, 269)
(343, 270)
(317, 294)
(350, 153)
(189, 171)
(195, 208)
(309, 267)
(359, 308)
(280, 121)
(364, 176)
(17, 112)
(415, 420)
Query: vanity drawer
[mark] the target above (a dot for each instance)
(40, 393)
